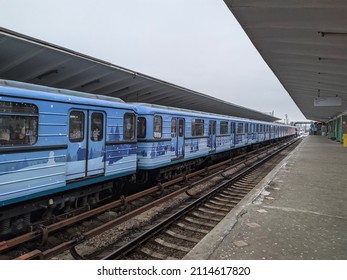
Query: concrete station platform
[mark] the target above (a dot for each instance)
(299, 211)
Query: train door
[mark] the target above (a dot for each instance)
(85, 154)
(177, 138)
(261, 133)
(232, 132)
(247, 134)
(96, 143)
(251, 131)
(268, 132)
(212, 135)
(256, 131)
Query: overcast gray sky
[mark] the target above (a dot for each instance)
(197, 44)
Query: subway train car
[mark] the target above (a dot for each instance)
(172, 141)
(54, 140)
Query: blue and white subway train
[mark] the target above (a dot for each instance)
(63, 150)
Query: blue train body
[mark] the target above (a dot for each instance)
(54, 140)
(173, 135)
(167, 136)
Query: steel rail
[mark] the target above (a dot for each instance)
(5, 245)
(132, 245)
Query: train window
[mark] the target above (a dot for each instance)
(246, 127)
(158, 126)
(197, 127)
(180, 128)
(76, 130)
(18, 123)
(18, 108)
(97, 126)
(173, 127)
(240, 128)
(223, 127)
(141, 127)
(129, 126)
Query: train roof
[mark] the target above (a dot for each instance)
(155, 108)
(146, 108)
(26, 90)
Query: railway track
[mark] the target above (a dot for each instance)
(174, 236)
(54, 239)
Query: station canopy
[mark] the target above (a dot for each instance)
(30, 60)
(305, 45)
